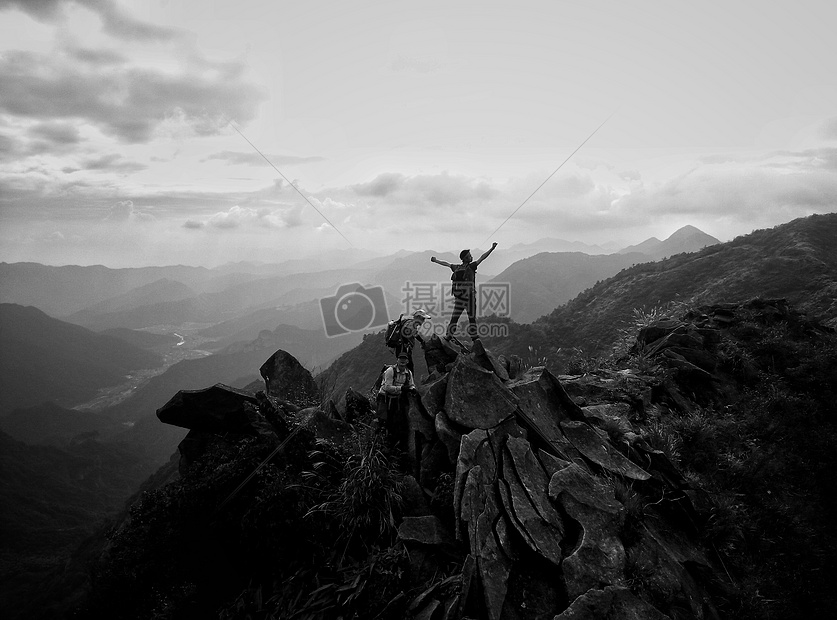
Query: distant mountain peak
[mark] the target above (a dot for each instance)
(685, 239)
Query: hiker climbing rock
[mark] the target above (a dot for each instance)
(393, 401)
(402, 334)
(463, 288)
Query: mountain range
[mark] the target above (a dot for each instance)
(44, 359)
(797, 261)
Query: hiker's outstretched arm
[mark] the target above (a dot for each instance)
(433, 259)
(484, 256)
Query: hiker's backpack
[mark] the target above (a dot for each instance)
(392, 337)
(380, 380)
(461, 285)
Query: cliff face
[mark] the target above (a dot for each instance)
(684, 480)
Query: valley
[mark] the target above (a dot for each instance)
(188, 348)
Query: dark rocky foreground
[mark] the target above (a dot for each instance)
(522, 495)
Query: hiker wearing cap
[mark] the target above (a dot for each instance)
(463, 288)
(394, 394)
(408, 334)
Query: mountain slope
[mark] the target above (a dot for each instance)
(44, 359)
(797, 261)
(540, 283)
(159, 291)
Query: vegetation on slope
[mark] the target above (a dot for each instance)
(797, 261)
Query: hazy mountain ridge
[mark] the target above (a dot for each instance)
(159, 291)
(797, 261)
(44, 359)
(685, 239)
(540, 283)
(51, 499)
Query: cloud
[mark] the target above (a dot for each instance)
(829, 129)
(113, 163)
(56, 132)
(124, 211)
(125, 102)
(434, 191)
(238, 217)
(255, 159)
(116, 21)
(193, 224)
(98, 58)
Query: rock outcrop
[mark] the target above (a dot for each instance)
(549, 481)
(545, 492)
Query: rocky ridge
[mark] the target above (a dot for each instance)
(523, 494)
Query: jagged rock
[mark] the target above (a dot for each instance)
(472, 505)
(276, 416)
(259, 422)
(437, 354)
(433, 393)
(493, 565)
(421, 435)
(330, 409)
(415, 502)
(542, 405)
(513, 365)
(357, 406)
(613, 603)
(604, 412)
(434, 462)
(484, 358)
(534, 481)
(286, 378)
(323, 426)
(217, 409)
(476, 398)
(542, 537)
(659, 559)
(464, 464)
(594, 445)
(425, 530)
(428, 611)
(699, 357)
(584, 487)
(685, 367)
(599, 556)
(551, 463)
(448, 435)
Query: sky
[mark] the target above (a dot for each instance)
(139, 133)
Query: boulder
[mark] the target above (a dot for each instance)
(476, 398)
(448, 435)
(286, 378)
(425, 530)
(493, 565)
(595, 445)
(613, 603)
(542, 394)
(599, 555)
(437, 354)
(433, 394)
(485, 359)
(323, 426)
(543, 537)
(357, 406)
(217, 409)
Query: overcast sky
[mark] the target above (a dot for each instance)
(415, 125)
